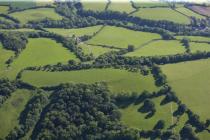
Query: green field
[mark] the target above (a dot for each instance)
(95, 50)
(118, 80)
(4, 9)
(194, 47)
(19, 30)
(36, 15)
(150, 4)
(205, 135)
(121, 7)
(162, 14)
(76, 31)
(190, 81)
(38, 52)
(135, 119)
(6, 20)
(189, 13)
(11, 110)
(4, 56)
(122, 37)
(160, 47)
(194, 38)
(96, 6)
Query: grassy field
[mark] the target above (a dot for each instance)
(96, 6)
(121, 7)
(11, 110)
(4, 56)
(6, 20)
(162, 14)
(95, 50)
(189, 12)
(38, 52)
(135, 119)
(76, 31)
(19, 30)
(150, 4)
(4, 9)
(121, 37)
(194, 47)
(118, 80)
(36, 15)
(161, 47)
(190, 81)
(205, 135)
(194, 38)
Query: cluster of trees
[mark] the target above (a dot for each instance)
(15, 41)
(6, 88)
(29, 116)
(188, 133)
(186, 43)
(160, 78)
(82, 112)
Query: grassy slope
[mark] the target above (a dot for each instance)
(18, 30)
(189, 12)
(121, 7)
(95, 50)
(190, 80)
(4, 56)
(162, 14)
(3, 9)
(77, 31)
(38, 52)
(36, 14)
(118, 80)
(96, 6)
(161, 47)
(150, 4)
(135, 119)
(194, 47)
(195, 38)
(121, 37)
(11, 110)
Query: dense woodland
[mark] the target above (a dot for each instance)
(91, 111)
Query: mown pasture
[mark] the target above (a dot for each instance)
(190, 80)
(95, 50)
(96, 6)
(189, 13)
(194, 47)
(162, 14)
(3, 9)
(150, 4)
(121, 7)
(132, 117)
(121, 37)
(36, 15)
(11, 109)
(194, 38)
(75, 31)
(4, 56)
(159, 48)
(38, 52)
(117, 80)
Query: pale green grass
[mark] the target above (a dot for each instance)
(205, 135)
(95, 6)
(95, 50)
(161, 47)
(195, 38)
(135, 119)
(117, 80)
(3, 9)
(189, 13)
(11, 109)
(121, 7)
(38, 52)
(18, 30)
(162, 14)
(194, 47)
(190, 81)
(121, 37)
(36, 15)
(150, 4)
(76, 31)
(6, 20)
(4, 56)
